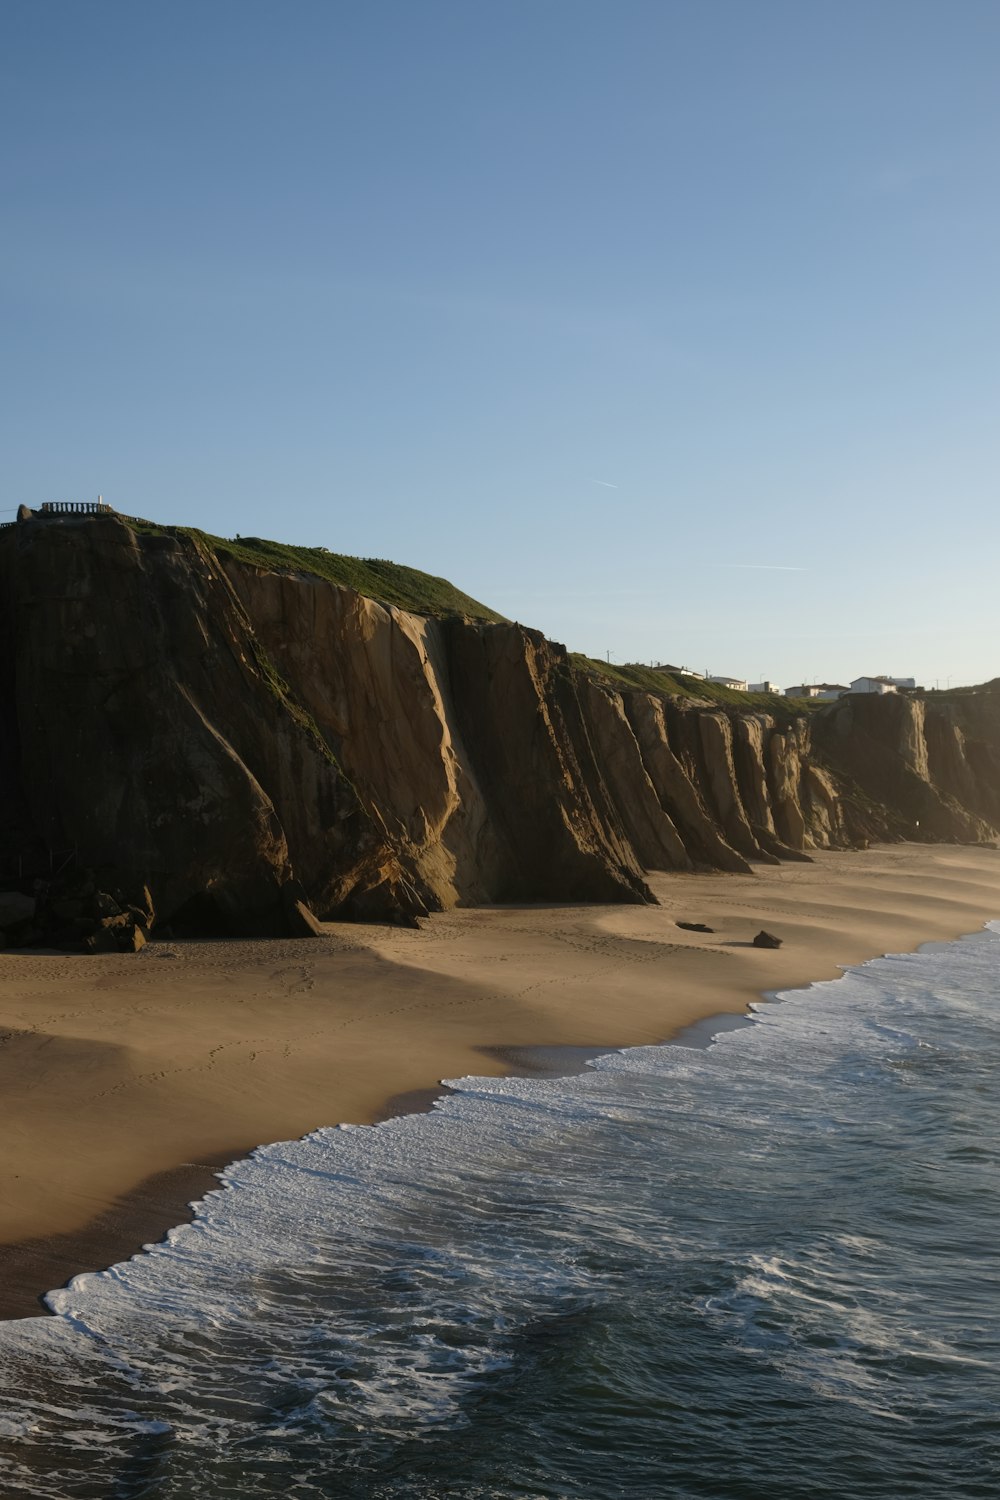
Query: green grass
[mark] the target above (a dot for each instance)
(655, 680)
(385, 582)
(993, 686)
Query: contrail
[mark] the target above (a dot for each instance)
(605, 483)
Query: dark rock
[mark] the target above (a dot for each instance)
(67, 939)
(766, 940)
(104, 940)
(106, 906)
(695, 927)
(129, 935)
(26, 935)
(68, 908)
(115, 923)
(15, 907)
(131, 938)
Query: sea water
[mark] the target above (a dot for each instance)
(765, 1268)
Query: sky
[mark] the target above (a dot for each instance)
(670, 327)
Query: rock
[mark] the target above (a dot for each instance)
(66, 939)
(134, 938)
(15, 907)
(129, 935)
(115, 923)
(694, 927)
(103, 940)
(25, 935)
(68, 909)
(766, 940)
(105, 905)
(301, 922)
(298, 918)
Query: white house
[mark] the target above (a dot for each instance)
(664, 666)
(904, 682)
(765, 687)
(729, 682)
(873, 685)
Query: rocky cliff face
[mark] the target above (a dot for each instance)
(232, 738)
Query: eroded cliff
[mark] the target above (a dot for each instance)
(230, 736)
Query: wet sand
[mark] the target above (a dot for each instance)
(126, 1081)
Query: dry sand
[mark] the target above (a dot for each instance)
(126, 1079)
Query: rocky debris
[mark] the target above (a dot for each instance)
(766, 940)
(694, 927)
(73, 913)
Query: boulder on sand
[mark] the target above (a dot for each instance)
(766, 940)
(15, 907)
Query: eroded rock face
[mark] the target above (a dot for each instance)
(151, 735)
(926, 769)
(240, 743)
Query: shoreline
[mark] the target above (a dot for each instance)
(127, 1082)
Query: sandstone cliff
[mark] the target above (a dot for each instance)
(228, 737)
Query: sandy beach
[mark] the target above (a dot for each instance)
(126, 1080)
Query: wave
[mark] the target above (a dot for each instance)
(575, 1280)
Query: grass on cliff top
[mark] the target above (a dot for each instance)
(375, 577)
(993, 686)
(655, 680)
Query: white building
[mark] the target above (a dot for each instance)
(765, 687)
(873, 685)
(729, 682)
(904, 682)
(664, 666)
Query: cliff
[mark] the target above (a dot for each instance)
(216, 736)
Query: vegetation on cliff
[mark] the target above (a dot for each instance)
(679, 685)
(374, 577)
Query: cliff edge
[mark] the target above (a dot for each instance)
(220, 736)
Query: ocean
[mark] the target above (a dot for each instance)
(762, 1269)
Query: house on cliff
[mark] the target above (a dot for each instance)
(873, 685)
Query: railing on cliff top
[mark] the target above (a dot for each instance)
(76, 508)
(61, 509)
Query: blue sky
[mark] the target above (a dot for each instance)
(668, 326)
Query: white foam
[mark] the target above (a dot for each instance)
(376, 1277)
